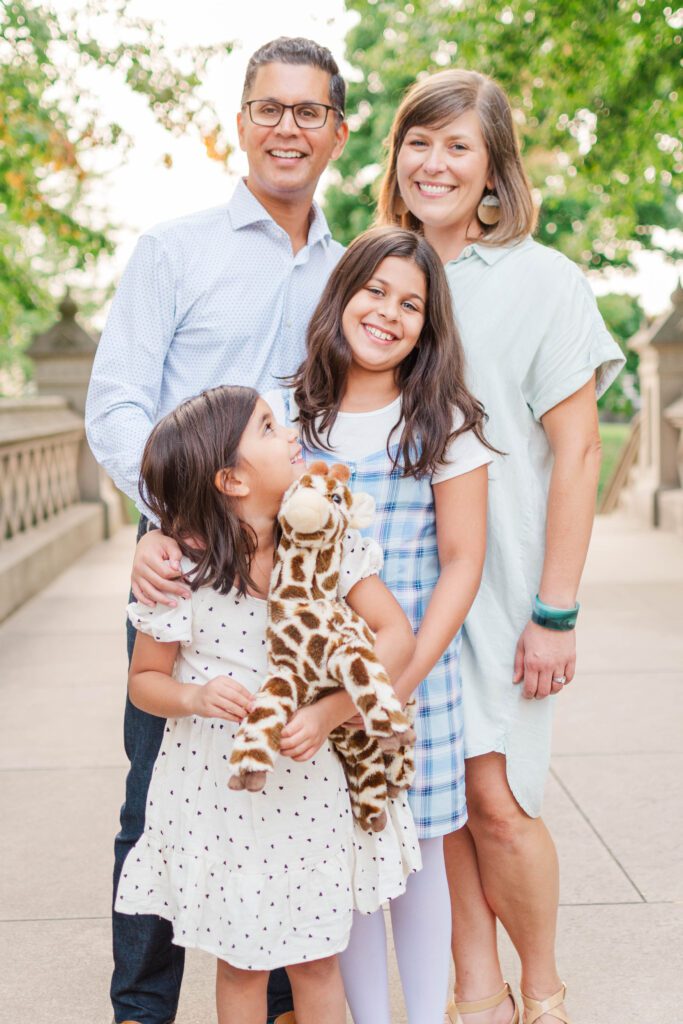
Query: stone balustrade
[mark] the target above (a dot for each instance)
(39, 455)
(55, 501)
(52, 502)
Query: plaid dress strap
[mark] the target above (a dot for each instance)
(405, 527)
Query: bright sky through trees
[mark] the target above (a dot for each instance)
(145, 190)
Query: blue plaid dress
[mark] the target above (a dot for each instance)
(405, 528)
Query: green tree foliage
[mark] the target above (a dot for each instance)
(624, 317)
(598, 100)
(52, 68)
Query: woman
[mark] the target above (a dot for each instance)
(538, 356)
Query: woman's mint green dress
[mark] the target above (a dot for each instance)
(533, 336)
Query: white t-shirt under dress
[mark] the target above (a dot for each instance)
(533, 336)
(265, 879)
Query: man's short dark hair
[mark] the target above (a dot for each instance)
(296, 50)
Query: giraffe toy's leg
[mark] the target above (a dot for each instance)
(355, 666)
(399, 765)
(364, 767)
(257, 742)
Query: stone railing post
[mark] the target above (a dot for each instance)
(655, 477)
(63, 357)
(671, 502)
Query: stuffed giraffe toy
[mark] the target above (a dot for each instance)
(316, 644)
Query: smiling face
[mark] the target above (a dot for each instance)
(442, 173)
(270, 457)
(285, 161)
(382, 322)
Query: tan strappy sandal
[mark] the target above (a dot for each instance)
(455, 1009)
(537, 1007)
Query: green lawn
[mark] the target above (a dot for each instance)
(613, 437)
(131, 511)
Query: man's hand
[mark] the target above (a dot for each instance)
(156, 570)
(543, 654)
(305, 733)
(221, 698)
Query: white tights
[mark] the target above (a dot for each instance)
(421, 926)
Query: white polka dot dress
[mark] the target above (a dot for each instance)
(264, 879)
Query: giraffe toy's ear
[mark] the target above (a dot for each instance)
(362, 510)
(319, 468)
(340, 472)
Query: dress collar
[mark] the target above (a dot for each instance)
(490, 254)
(245, 209)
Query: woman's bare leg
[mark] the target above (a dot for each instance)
(475, 950)
(240, 995)
(519, 873)
(318, 992)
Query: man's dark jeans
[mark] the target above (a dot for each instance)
(148, 968)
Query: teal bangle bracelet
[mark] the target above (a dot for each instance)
(560, 619)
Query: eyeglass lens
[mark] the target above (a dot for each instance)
(306, 115)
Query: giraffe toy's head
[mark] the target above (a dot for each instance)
(319, 507)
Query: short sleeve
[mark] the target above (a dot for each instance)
(573, 346)
(361, 557)
(164, 624)
(464, 453)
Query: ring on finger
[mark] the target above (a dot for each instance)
(561, 680)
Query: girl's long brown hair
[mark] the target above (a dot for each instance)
(434, 102)
(430, 379)
(183, 454)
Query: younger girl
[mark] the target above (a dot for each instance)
(382, 389)
(262, 879)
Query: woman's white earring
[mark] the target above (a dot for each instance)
(488, 210)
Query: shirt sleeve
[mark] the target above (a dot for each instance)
(125, 385)
(361, 557)
(574, 345)
(464, 453)
(167, 625)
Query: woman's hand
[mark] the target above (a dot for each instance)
(156, 570)
(305, 733)
(221, 698)
(543, 654)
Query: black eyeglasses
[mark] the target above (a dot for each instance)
(268, 113)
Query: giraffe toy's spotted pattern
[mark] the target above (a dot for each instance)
(318, 644)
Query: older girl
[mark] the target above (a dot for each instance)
(538, 356)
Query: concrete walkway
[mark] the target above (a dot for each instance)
(614, 798)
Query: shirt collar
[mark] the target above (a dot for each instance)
(245, 209)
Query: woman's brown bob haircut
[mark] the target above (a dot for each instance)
(183, 454)
(430, 379)
(433, 103)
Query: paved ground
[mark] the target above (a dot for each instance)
(613, 799)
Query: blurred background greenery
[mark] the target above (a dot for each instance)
(596, 93)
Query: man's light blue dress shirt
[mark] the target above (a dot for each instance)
(217, 297)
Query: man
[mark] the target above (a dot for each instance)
(222, 296)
